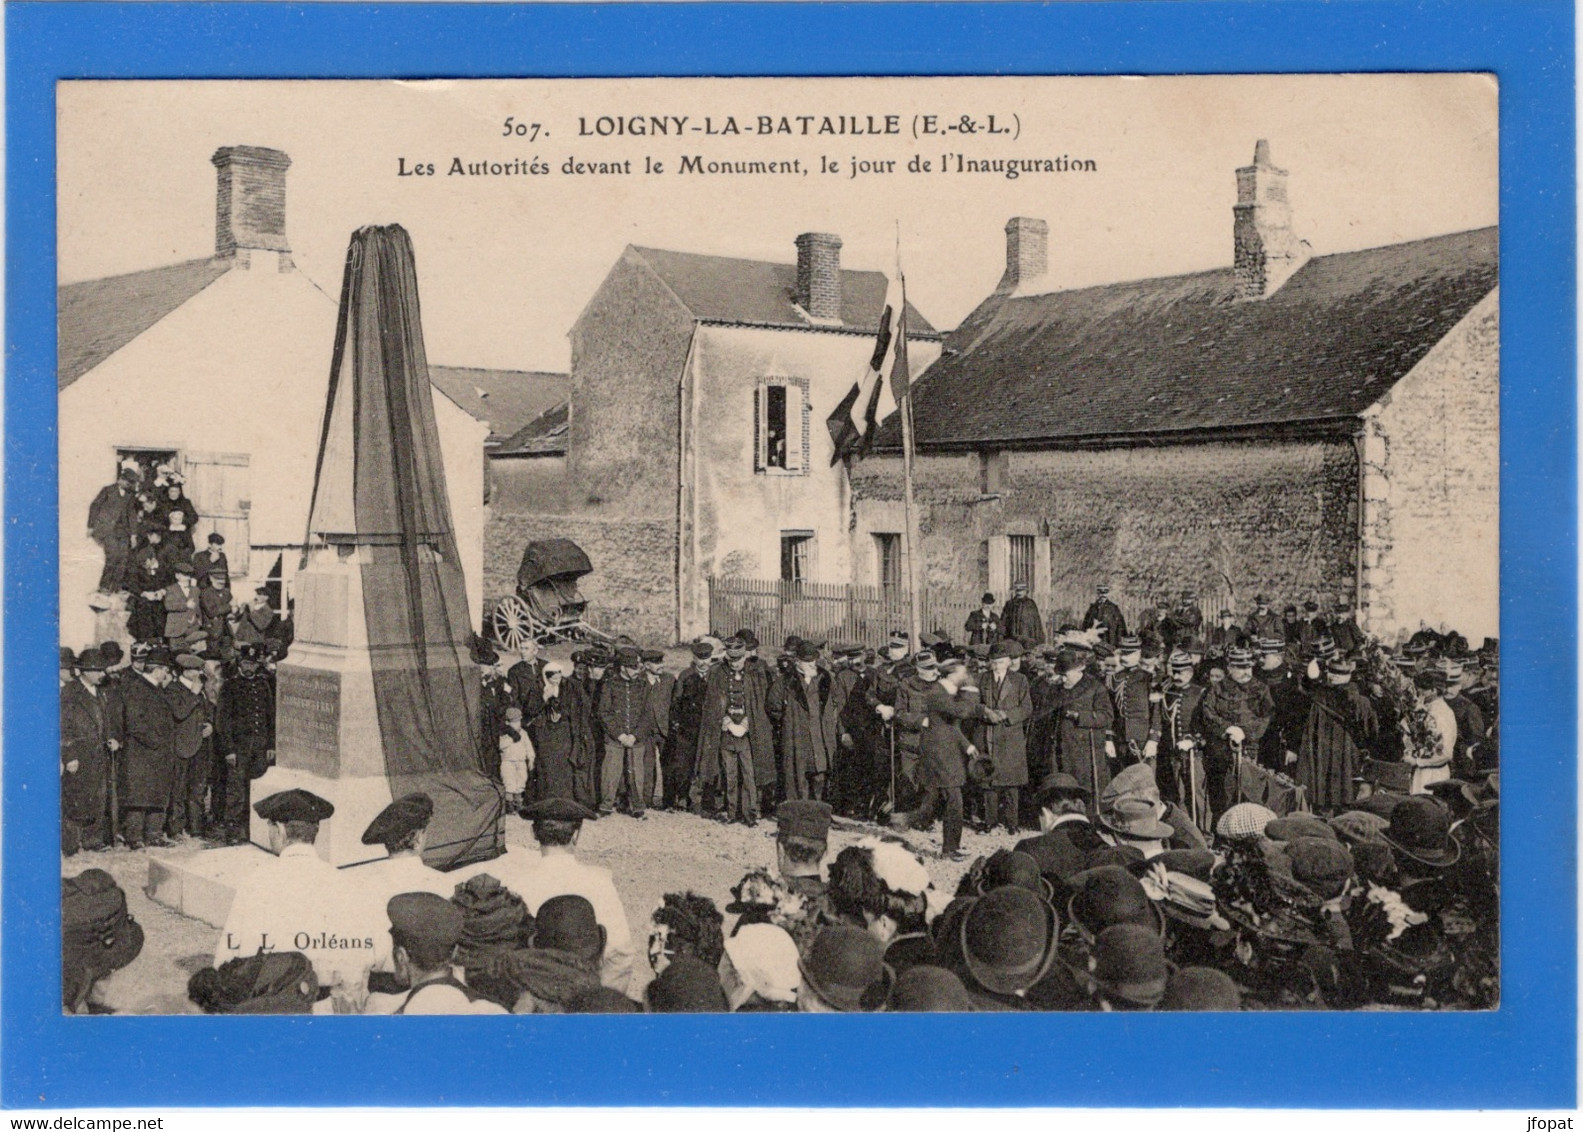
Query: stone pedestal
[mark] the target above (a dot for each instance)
(202, 885)
(326, 725)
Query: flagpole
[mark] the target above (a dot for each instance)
(911, 538)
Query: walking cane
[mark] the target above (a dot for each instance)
(890, 730)
(1192, 782)
(115, 801)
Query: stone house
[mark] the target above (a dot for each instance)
(694, 444)
(1307, 425)
(221, 366)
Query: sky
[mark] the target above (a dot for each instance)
(506, 263)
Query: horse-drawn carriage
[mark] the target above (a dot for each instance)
(547, 605)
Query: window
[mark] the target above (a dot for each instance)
(1021, 563)
(887, 554)
(991, 472)
(780, 427)
(796, 556)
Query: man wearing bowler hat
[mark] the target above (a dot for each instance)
(84, 756)
(145, 728)
(1007, 704)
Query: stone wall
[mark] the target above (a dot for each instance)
(1228, 519)
(633, 585)
(1431, 454)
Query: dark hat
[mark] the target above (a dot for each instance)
(1103, 588)
(1110, 895)
(987, 599)
(749, 638)
(403, 817)
(845, 967)
(805, 650)
(1201, 988)
(804, 818)
(158, 656)
(216, 538)
(1055, 856)
(790, 643)
(652, 656)
(1059, 784)
(1019, 587)
(1321, 864)
(1421, 828)
(1008, 939)
(736, 646)
(922, 989)
(423, 917)
(181, 566)
(1354, 826)
(98, 934)
(701, 649)
(279, 982)
(1293, 826)
(1102, 650)
(1195, 646)
(687, 986)
(1311, 606)
(68, 659)
(1006, 647)
(484, 652)
(1226, 614)
(140, 650)
(1129, 963)
(1068, 659)
(293, 805)
(556, 809)
(628, 656)
(189, 663)
(91, 660)
(111, 651)
(1340, 666)
(1292, 609)
(601, 1000)
(567, 923)
(1013, 868)
(1261, 599)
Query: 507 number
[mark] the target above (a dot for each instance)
(516, 129)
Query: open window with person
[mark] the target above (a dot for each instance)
(780, 412)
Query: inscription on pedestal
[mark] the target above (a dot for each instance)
(308, 719)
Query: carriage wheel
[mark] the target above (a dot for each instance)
(513, 623)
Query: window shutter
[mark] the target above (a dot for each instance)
(1041, 567)
(796, 427)
(1000, 566)
(758, 428)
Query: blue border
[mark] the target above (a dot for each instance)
(1524, 1055)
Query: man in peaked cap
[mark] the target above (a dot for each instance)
(557, 824)
(300, 902)
(1263, 623)
(424, 929)
(1234, 714)
(1105, 614)
(628, 724)
(1020, 618)
(801, 842)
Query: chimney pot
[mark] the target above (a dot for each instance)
(819, 274)
(250, 201)
(1027, 253)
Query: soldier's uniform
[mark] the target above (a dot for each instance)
(1106, 614)
(1138, 713)
(1245, 706)
(245, 728)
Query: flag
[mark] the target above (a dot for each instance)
(853, 423)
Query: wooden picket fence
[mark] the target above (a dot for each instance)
(866, 615)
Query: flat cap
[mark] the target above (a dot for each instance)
(629, 656)
(1006, 647)
(702, 649)
(652, 656)
(293, 805)
(804, 818)
(557, 809)
(425, 917)
(405, 816)
(188, 662)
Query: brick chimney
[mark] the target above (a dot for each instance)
(1027, 255)
(250, 203)
(819, 275)
(1266, 252)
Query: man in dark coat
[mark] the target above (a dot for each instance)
(1310, 628)
(942, 753)
(1225, 636)
(146, 732)
(805, 705)
(1235, 713)
(1007, 704)
(1285, 731)
(211, 561)
(1020, 620)
(493, 699)
(524, 681)
(558, 744)
(850, 761)
(736, 746)
(1188, 617)
(1105, 614)
(112, 523)
(1137, 705)
(245, 727)
(1340, 731)
(581, 691)
(1344, 629)
(1085, 717)
(624, 712)
(1156, 619)
(193, 748)
(1263, 624)
(84, 756)
(1470, 721)
(662, 686)
(686, 721)
(983, 624)
(1181, 735)
(146, 579)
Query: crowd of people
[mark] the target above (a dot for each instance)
(1275, 814)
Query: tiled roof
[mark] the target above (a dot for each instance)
(1154, 357)
(753, 292)
(544, 436)
(100, 316)
(504, 399)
